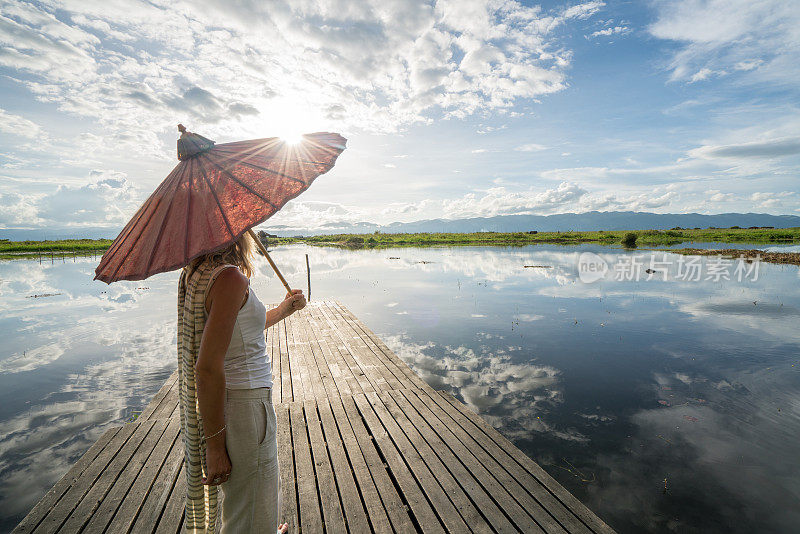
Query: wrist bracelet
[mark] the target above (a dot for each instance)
(218, 432)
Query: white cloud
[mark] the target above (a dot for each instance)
(384, 66)
(107, 201)
(17, 210)
(715, 195)
(530, 147)
(704, 74)
(16, 125)
(769, 148)
(770, 200)
(566, 197)
(608, 32)
(759, 38)
(583, 11)
(499, 201)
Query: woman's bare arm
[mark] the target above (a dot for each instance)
(291, 303)
(224, 299)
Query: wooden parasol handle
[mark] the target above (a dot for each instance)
(275, 267)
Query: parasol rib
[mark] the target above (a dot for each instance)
(219, 204)
(164, 225)
(218, 149)
(238, 181)
(260, 168)
(117, 244)
(128, 253)
(188, 216)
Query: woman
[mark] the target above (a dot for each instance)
(233, 378)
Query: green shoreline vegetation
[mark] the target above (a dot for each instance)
(642, 238)
(377, 240)
(59, 247)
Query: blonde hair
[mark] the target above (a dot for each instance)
(239, 253)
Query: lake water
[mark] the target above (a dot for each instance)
(664, 405)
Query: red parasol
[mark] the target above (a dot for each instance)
(213, 196)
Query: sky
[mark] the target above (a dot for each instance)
(451, 109)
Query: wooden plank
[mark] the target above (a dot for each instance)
(114, 482)
(287, 372)
(155, 402)
(379, 494)
(274, 361)
(373, 369)
(316, 358)
(171, 520)
(332, 515)
(165, 482)
(343, 377)
(357, 378)
(531, 468)
(131, 432)
(444, 494)
(309, 509)
(304, 344)
(358, 345)
(286, 466)
(455, 436)
(133, 503)
(379, 346)
(494, 502)
(411, 491)
(168, 405)
(119, 489)
(355, 516)
(301, 388)
(475, 505)
(338, 369)
(43, 507)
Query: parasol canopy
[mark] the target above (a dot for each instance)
(213, 196)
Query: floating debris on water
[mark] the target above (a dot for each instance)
(133, 417)
(394, 258)
(575, 472)
(538, 266)
(423, 261)
(43, 295)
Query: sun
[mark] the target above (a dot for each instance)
(291, 137)
(286, 118)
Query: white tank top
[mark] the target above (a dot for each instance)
(246, 362)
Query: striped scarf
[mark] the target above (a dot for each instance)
(201, 500)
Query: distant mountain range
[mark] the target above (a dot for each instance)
(592, 220)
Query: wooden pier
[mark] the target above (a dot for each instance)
(364, 445)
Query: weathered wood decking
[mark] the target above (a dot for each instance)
(364, 444)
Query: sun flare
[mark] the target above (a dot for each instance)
(291, 137)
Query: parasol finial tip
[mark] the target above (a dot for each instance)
(181, 128)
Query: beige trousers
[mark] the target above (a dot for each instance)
(251, 495)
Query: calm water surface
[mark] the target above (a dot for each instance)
(665, 406)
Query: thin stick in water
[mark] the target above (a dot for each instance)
(308, 274)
